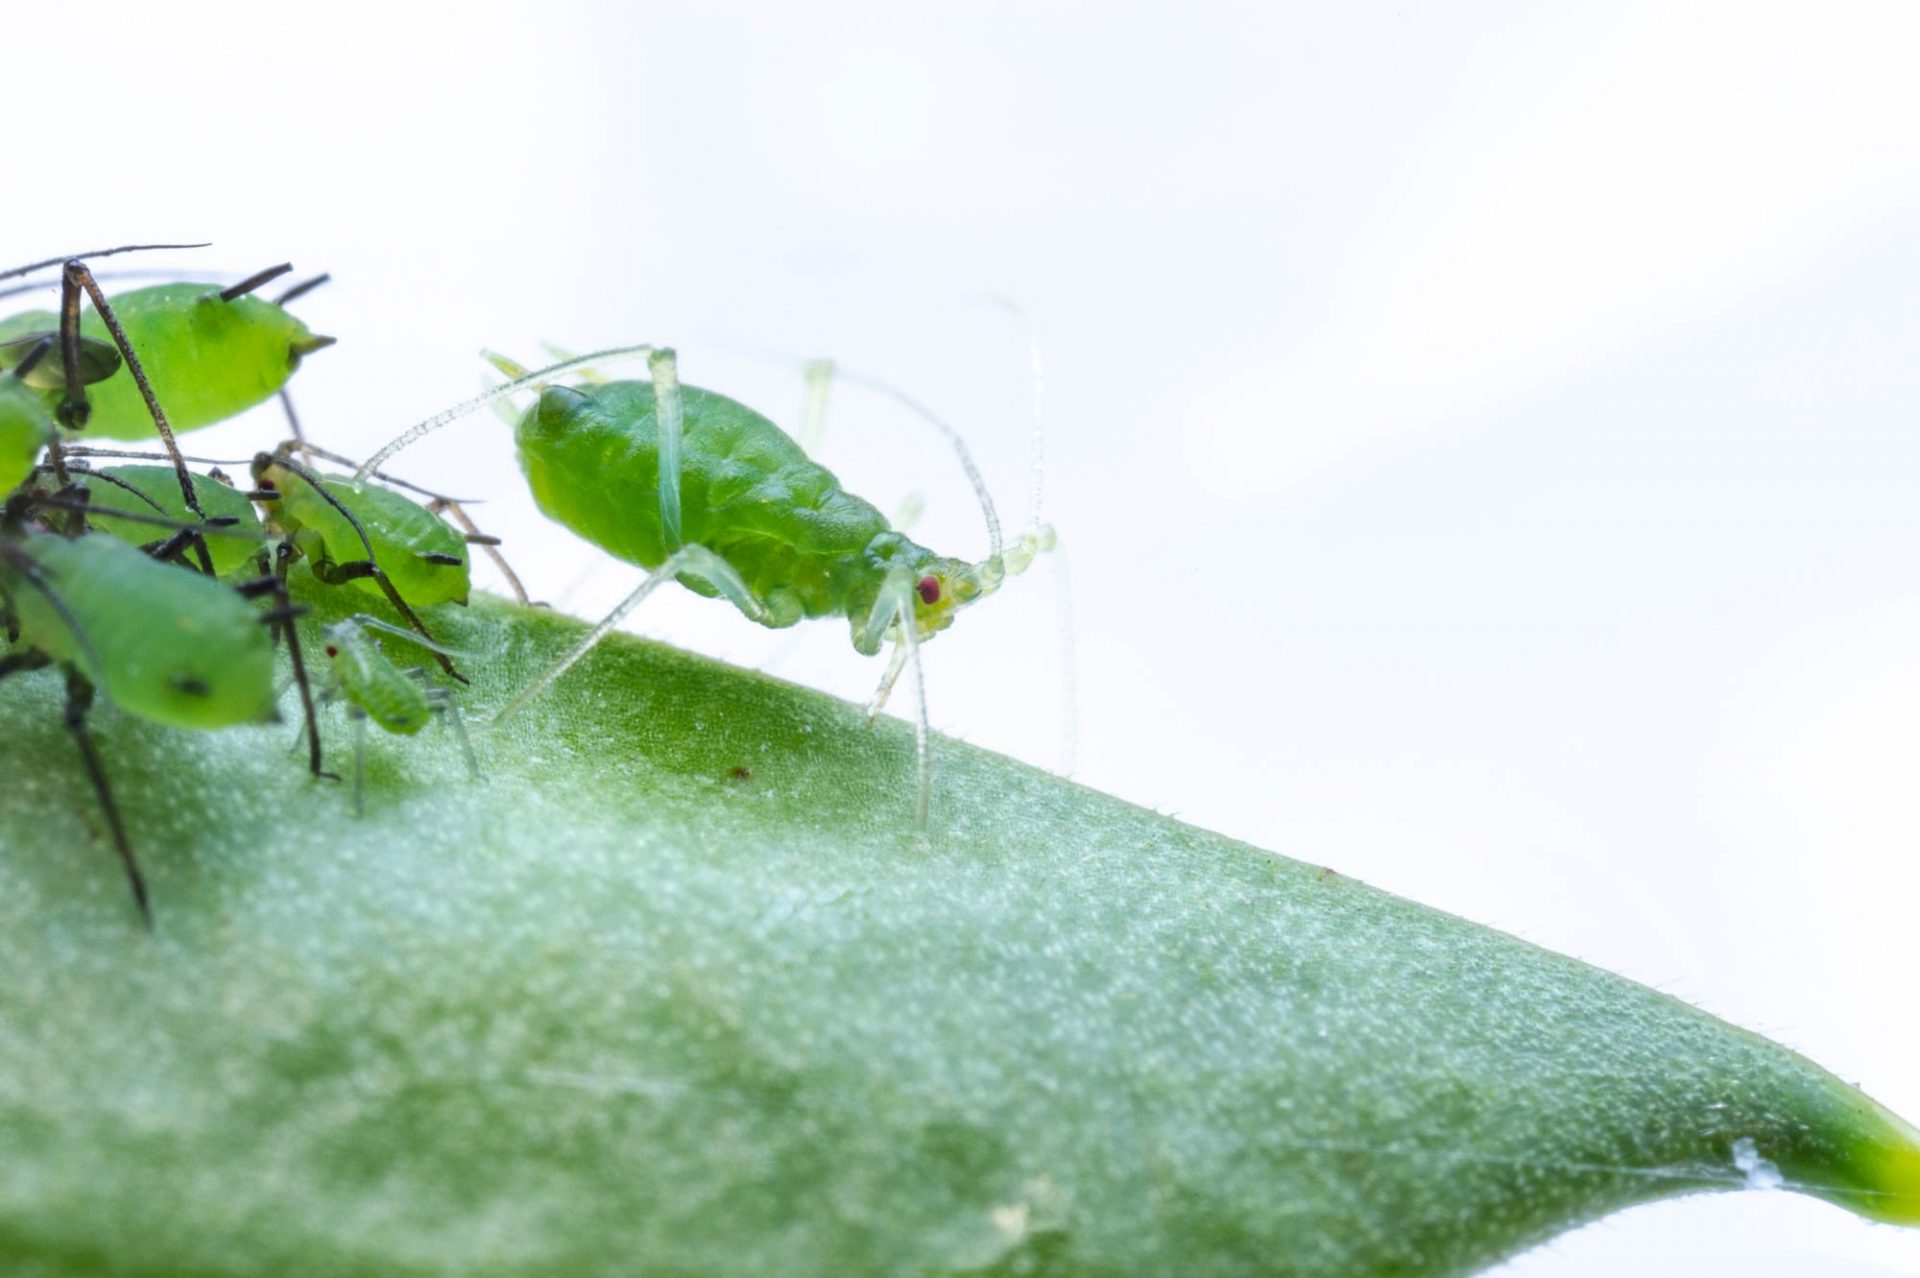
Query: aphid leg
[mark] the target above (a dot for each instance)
(74, 409)
(359, 718)
(488, 546)
(280, 617)
(893, 612)
(355, 570)
(459, 726)
(813, 411)
(896, 663)
(366, 569)
(695, 560)
(669, 419)
(79, 702)
(293, 424)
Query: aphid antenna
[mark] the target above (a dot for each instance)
(113, 480)
(124, 454)
(225, 525)
(365, 621)
(1037, 367)
(339, 459)
(953, 436)
(63, 259)
(525, 381)
(120, 277)
(820, 372)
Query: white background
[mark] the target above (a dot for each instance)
(1485, 434)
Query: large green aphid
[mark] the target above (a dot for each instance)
(397, 700)
(161, 643)
(352, 531)
(704, 490)
(209, 353)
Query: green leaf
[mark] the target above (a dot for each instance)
(676, 989)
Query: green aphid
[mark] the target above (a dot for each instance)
(704, 490)
(375, 688)
(214, 352)
(353, 531)
(234, 549)
(174, 647)
(164, 644)
(207, 355)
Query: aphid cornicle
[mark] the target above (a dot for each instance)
(173, 647)
(700, 488)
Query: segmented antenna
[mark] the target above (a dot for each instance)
(448, 416)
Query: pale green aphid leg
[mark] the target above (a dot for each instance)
(813, 409)
(374, 687)
(695, 561)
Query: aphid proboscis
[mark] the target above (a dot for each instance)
(699, 488)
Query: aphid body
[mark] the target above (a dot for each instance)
(208, 357)
(801, 544)
(367, 677)
(420, 554)
(171, 646)
(235, 550)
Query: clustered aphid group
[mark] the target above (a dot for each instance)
(165, 591)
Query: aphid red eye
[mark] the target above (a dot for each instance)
(332, 651)
(929, 590)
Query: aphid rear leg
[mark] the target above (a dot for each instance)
(893, 611)
(359, 718)
(669, 417)
(695, 560)
(280, 617)
(358, 569)
(474, 537)
(813, 412)
(74, 410)
(79, 702)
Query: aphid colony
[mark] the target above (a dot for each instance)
(165, 592)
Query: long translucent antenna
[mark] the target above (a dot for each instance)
(1037, 449)
(366, 622)
(954, 438)
(669, 420)
(450, 415)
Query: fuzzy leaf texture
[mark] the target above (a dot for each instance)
(676, 990)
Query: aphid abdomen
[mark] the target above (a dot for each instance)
(748, 493)
(161, 642)
(232, 553)
(369, 680)
(403, 534)
(208, 359)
